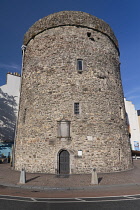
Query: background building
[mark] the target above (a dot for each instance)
(72, 114)
(9, 101)
(138, 112)
(133, 123)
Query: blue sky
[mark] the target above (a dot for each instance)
(16, 17)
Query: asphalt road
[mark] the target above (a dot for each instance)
(101, 203)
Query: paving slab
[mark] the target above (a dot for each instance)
(48, 185)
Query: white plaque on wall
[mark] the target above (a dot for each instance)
(80, 152)
(89, 138)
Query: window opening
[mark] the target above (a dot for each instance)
(121, 113)
(92, 39)
(88, 34)
(24, 116)
(79, 65)
(76, 108)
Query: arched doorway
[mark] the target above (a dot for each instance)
(64, 162)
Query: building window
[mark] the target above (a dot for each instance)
(121, 113)
(88, 34)
(76, 108)
(80, 65)
(24, 115)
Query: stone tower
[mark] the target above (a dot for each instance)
(72, 115)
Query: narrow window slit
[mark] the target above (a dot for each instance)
(88, 34)
(76, 108)
(24, 115)
(80, 65)
(92, 39)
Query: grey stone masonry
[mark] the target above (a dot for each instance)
(71, 98)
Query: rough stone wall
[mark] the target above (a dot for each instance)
(50, 86)
(69, 18)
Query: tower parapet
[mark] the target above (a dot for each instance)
(70, 18)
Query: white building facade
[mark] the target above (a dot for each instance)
(9, 103)
(133, 125)
(12, 87)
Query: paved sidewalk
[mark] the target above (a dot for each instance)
(109, 183)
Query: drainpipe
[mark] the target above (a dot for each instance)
(23, 47)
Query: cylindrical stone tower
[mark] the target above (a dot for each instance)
(72, 115)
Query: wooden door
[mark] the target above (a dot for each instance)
(64, 162)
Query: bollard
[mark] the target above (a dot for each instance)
(94, 178)
(8, 158)
(22, 176)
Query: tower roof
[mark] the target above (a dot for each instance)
(70, 18)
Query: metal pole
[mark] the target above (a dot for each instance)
(23, 47)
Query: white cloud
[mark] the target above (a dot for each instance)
(10, 66)
(132, 92)
(133, 97)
